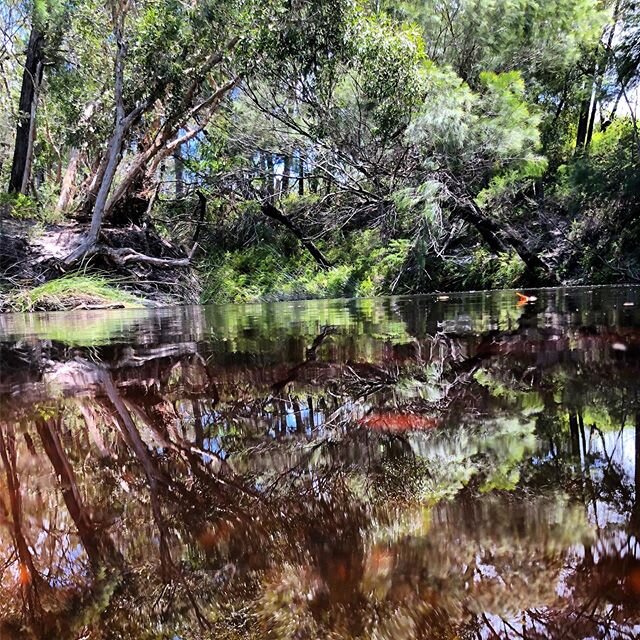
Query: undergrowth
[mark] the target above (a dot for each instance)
(363, 266)
(275, 270)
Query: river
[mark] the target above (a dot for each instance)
(455, 466)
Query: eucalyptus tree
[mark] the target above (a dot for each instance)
(168, 79)
(164, 70)
(392, 141)
(46, 20)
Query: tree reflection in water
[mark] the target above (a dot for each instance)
(373, 469)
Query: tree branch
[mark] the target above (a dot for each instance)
(275, 214)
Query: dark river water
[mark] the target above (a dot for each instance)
(456, 467)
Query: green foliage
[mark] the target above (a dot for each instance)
(507, 125)
(608, 171)
(443, 122)
(510, 183)
(541, 38)
(364, 267)
(386, 131)
(389, 63)
(19, 206)
(25, 208)
(486, 271)
(298, 49)
(478, 135)
(601, 191)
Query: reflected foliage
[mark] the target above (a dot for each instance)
(405, 467)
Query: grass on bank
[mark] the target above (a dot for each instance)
(72, 292)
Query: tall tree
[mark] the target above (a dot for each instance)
(26, 125)
(176, 104)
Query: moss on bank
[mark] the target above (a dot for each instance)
(71, 292)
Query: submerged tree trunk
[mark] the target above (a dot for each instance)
(25, 129)
(97, 545)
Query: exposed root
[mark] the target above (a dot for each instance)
(138, 260)
(124, 256)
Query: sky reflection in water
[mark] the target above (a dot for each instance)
(383, 468)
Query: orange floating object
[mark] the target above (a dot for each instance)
(523, 299)
(24, 575)
(633, 581)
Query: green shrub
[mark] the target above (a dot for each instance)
(19, 206)
(487, 271)
(281, 270)
(22, 207)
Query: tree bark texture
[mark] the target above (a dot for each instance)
(25, 129)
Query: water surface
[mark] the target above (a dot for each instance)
(462, 467)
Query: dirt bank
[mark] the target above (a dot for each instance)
(136, 260)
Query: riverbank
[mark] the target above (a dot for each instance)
(147, 265)
(132, 267)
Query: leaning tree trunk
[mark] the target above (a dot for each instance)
(122, 123)
(275, 214)
(500, 237)
(25, 129)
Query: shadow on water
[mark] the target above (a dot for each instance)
(388, 468)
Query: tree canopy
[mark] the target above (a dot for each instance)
(370, 147)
